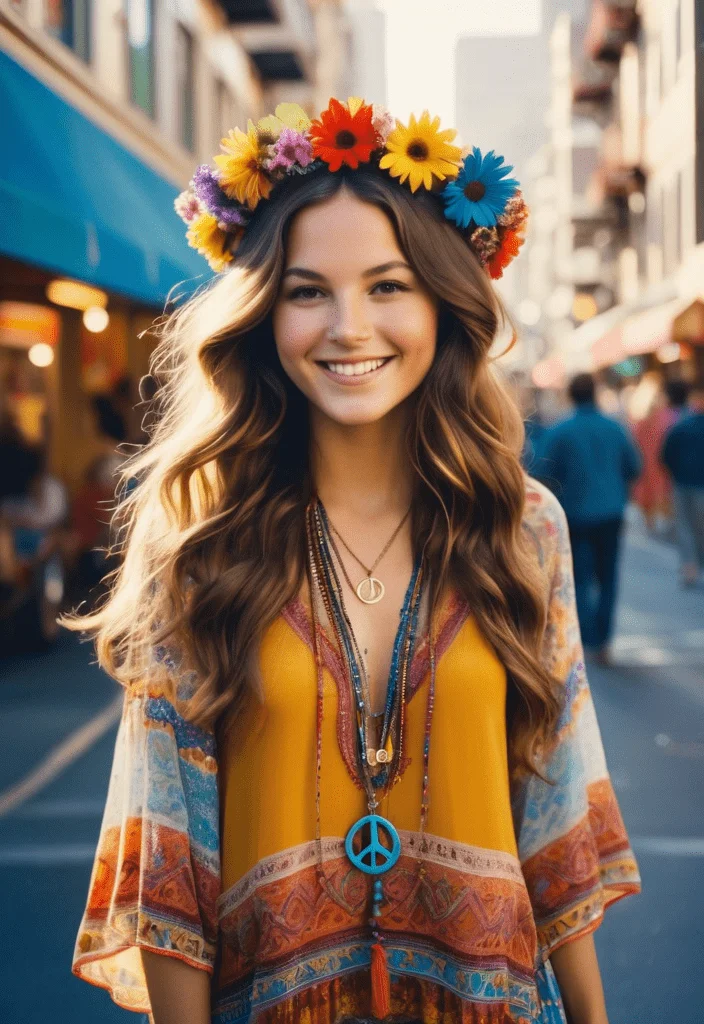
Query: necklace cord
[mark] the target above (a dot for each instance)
(388, 544)
(324, 581)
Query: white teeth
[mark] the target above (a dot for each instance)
(355, 369)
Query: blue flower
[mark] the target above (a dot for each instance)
(480, 191)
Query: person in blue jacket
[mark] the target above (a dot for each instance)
(683, 455)
(589, 460)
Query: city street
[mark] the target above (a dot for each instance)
(58, 716)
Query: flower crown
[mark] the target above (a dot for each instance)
(478, 197)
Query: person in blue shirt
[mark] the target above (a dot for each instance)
(589, 461)
(683, 455)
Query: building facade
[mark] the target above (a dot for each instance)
(632, 248)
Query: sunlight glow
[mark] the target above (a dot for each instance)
(420, 47)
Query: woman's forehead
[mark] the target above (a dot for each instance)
(342, 227)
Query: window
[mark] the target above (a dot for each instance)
(69, 21)
(679, 216)
(140, 45)
(671, 219)
(654, 241)
(225, 115)
(185, 86)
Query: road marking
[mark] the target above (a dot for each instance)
(46, 856)
(669, 846)
(64, 754)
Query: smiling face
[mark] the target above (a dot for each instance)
(355, 329)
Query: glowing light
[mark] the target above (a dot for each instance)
(74, 294)
(41, 354)
(95, 319)
(636, 203)
(559, 304)
(549, 373)
(584, 307)
(529, 312)
(669, 353)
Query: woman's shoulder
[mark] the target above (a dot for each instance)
(544, 522)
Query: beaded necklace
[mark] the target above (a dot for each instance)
(384, 845)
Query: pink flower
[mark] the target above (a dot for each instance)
(188, 206)
(291, 148)
(382, 122)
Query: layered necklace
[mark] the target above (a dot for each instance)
(372, 844)
(370, 589)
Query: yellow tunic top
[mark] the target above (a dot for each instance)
(268, 761)
(207, 850)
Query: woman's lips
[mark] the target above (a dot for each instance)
(354, 380)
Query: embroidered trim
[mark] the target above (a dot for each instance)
(474, 860)
(492, 986)
(278, 866)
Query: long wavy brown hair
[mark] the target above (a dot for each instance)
(211, 540)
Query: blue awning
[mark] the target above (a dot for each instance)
(76, 202)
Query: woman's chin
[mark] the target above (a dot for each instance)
(355, 413)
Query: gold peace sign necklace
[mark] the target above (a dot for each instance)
(370, 590)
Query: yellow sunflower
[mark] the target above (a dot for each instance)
(287, 115)
(205, 236)
(242, 174)
(420, 151)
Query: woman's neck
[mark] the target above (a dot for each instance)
(362, 469)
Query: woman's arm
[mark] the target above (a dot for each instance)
(178, 992)
(577, 971)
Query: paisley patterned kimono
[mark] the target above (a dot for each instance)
(207, 851)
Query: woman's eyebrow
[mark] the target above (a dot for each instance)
(313, 275)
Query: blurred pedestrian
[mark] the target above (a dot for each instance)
(683, 454)
(95, 497)
(111, 432)
(589, 460)
(653, 489)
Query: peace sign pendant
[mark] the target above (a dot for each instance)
(377, 857)
(370, 590)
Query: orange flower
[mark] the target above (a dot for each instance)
(342, 137)
(507, 251)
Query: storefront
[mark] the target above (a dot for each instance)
(667, 337)
(90, 248)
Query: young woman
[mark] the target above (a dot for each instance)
(358, 770)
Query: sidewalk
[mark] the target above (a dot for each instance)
(659, 624)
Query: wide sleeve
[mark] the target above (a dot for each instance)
(156, 875)
(572, 843)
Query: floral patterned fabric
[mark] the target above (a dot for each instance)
(204, 856)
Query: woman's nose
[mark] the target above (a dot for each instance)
(350, 322)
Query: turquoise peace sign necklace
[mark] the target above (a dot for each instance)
(372, 843)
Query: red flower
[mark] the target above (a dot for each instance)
(507, 251)
(340, 137)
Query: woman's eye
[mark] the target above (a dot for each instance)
(389, 287)
(304, 292)
(381, 287)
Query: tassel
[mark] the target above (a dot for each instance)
(381, 983)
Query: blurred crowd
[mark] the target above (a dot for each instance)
(650, 452)
(54, 546)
